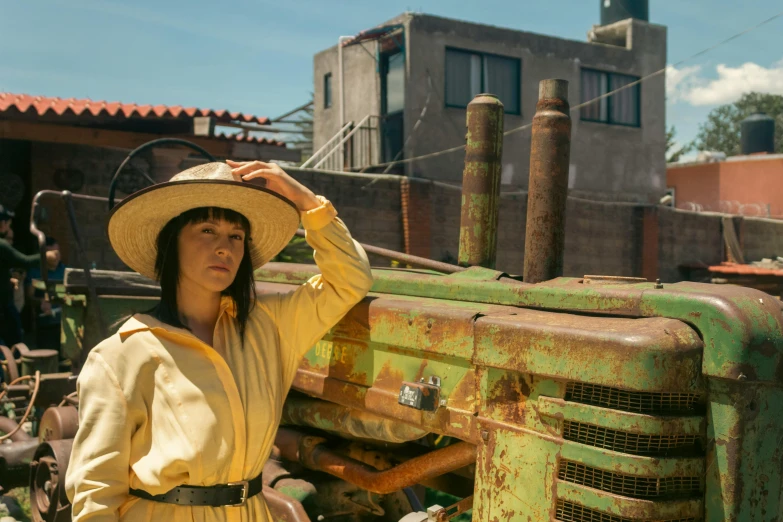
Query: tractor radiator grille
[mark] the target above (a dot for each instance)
(570, 512)
(628, 485)
(652, 403)
(631, 443)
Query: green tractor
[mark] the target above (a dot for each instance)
(467, 393)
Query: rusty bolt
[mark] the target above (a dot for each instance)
(485, 434)
(429, 323)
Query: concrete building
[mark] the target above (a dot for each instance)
(749, 185)
(409, 80)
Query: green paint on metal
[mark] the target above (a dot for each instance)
(632, 464)
(515, 477)
(628, 507)
(620, 420)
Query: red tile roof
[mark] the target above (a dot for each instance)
(43, 105)
(50, 106)
(736, 269)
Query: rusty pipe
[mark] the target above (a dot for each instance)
(408, 259)
(478, 227)
(8, 425)
(310, 452)
(550, 149)
(333, 417)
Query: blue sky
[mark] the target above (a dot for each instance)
(256, 55)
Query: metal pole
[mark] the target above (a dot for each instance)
(550, 150)
(481, 182)
(341, 74)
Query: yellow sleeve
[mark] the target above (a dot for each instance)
(98, 472)
(306, 314)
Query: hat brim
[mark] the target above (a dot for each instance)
(134, 224)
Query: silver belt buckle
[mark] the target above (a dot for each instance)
(245, 489)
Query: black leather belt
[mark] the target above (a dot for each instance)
(231, 494)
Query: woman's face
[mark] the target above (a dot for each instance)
(209, 254)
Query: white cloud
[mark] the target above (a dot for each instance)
(680, 80)
(687, 85)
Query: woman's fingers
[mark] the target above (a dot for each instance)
(250, 166)
(260, 173)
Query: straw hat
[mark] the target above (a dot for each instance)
(135, 223)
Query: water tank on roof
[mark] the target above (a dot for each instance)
(757, 134)
(615, 10)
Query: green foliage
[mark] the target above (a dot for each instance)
(672, 156)
(721, 131)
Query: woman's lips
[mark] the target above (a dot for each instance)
(219, 268)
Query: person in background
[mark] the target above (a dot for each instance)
(47, 324)
(10, 324)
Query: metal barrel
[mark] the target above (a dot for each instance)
(546, 200)
(481, 182)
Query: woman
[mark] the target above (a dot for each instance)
(191, 394)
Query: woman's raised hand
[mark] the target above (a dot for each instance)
(276, 180)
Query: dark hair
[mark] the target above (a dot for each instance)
(50, 241)
(241, 290)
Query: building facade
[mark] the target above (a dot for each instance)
(750, 185)
(408, 83)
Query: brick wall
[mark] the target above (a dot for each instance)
(761, 238)
(602, 238)
(688, 238)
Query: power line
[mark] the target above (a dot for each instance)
(597, 98)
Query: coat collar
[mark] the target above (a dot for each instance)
(144, 322)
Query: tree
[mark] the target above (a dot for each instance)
(672, 156)
(721, 131)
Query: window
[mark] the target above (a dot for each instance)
(327, 90)
(622, 108)
(469, 74)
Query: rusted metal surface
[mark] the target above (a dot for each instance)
(297, 447)
(48, 501)
(8, 425)
(44, 361)
(11, 370)
(284, 508)
(481, 182)
(550, 149)
(408, 259)
(655, 354)
(455, 510)
(58, 423)
(346, 421)
(15, 461)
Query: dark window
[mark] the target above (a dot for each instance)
(621, 108)
(327, 90)
(469, 74)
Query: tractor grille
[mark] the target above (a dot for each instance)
(570, 512)
(631, 443)
(628, 485)
(652, 403)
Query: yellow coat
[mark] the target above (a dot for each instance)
(159, 408)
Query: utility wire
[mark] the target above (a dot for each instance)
(597, 98)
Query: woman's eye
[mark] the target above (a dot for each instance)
(237, 237)
(208, 231)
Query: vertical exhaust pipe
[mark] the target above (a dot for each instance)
(550, 151)
(481, 182)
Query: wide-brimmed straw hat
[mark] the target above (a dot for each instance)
(135, 222)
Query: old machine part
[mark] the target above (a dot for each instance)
(48, 501)
(588, 399)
